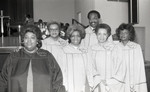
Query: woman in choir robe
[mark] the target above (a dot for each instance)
(107, 60)
(54, 43)
(31, 69)
(135, 80)
(78, 69)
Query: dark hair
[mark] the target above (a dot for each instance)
(28, 16)
(93, 11)
(40, 21)
(51, 23)
(35, 30)
(104, 26)
(73, 28)
(129, 28)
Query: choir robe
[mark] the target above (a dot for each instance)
(54, 47)
(108, 62)
(77, 70)
(91, 38)
(47, 75)
(135, 75)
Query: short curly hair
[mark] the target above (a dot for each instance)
(51, 23)
(104, 26)
(73, 28)
(95, 12)
(35, 30)
(127, 27)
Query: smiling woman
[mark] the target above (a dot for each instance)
(107, 60)
(75, 30)
(135, 79)
(75, 62)
(31, 68)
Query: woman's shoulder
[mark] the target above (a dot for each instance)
(130, 45)
(46, 40)
(71, 49)
(88, 30)
(107, 46)
(63, 42)
(133, 45)
(94, 47)
(43, 52)
(17, 53)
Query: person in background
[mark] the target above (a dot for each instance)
(135, 80)
(108, 62)
(28, 20)
(66, 26)
(77, 67)
(63, 29)
(43, 27)
(40, 23)
(31, 69)
(94, 18)
(54, 43)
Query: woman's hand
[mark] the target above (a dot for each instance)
(17, 49)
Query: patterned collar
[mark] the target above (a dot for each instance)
(130, 44)
(107, 46)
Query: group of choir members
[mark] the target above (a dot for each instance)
(90, 61)
(104, 66)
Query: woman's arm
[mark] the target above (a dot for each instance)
(57, 77)
(4, 75)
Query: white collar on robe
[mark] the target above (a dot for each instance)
(72, 49)
(106, 46)
(129, 45)
(89, 30)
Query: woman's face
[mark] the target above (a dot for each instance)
(124, 35)
(54, 30)
(102, 35)
(93, 20)
(30, 41)
(75, 38)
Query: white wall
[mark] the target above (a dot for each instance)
(112, 12)
(83, 6)
(115, 13)
(144, 21)
(58, 10)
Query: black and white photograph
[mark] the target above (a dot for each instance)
(74, 46)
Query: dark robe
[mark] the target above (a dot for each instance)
(47, 75)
